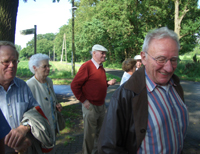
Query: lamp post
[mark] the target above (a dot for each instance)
(73, 49)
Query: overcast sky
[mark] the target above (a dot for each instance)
(48, 17)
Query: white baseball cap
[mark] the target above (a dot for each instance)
(98, 47)
(137, 57)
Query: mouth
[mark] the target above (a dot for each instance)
(164, 73)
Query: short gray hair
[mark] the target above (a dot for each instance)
(8, 43)
(159, 33)
(36, 59)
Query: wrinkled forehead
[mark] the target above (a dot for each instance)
(6, 50)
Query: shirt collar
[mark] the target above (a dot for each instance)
(152, 85)
(13, 82)
(96, 64)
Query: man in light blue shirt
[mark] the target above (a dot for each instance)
(16, 99)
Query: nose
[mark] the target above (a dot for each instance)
(168, 67)
(11, 64)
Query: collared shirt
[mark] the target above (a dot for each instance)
(125, 77)
(96, 64)
(16, 101)
(167, 120)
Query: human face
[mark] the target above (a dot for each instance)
(7, 73)
(138, 63)
(99, 56)
(43, 70)
(166, 47)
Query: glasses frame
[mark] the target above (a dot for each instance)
(178, 60)
(45, 66)
(8, 63)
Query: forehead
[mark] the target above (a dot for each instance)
(44, 62)
(7, 52)
(163, 46)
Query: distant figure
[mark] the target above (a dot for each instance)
(147, 114)
(42, 88)
(90, 88)
(128, 67)
(4, 129)
(139, 62)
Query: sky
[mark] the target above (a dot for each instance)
(48, 17)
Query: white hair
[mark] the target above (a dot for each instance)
(36, 59)
(159, 33)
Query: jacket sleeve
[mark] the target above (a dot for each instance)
(78, 82)
(117, 134)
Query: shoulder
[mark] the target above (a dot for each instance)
(19, 82)
(31, 81)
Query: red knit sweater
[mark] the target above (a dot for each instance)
(90, 83)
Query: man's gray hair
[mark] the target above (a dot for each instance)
(36, 59)
(159, 33)
(8, 43)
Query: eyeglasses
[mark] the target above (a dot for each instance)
(163, 60)
(45, 66)
(7, 63)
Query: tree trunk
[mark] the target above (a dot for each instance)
(176, 18)
(8, 15)
(179, 17)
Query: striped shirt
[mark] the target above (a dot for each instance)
(167, 120)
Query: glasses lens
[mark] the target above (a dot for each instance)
(45, 66)
(161, 60)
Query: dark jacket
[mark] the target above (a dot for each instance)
(125, 123)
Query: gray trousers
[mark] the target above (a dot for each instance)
(93, 119)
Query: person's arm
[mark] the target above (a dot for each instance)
(116, 126)
(78, 81)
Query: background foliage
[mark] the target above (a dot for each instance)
(120, 26)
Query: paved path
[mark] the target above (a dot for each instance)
(192, 98)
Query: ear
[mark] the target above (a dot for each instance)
(34, 67)
(143, 58)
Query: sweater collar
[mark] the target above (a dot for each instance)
(96, 64)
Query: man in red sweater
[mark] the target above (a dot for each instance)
(90, 88)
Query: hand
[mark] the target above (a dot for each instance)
(16, 137)
(86, 104)
(112, 82)
(59, 107)
(24, 146)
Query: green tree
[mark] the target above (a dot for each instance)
(45, 43)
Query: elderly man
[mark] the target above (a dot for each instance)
(90, 88)
(147, 114)
(16, 99)
(139, 62)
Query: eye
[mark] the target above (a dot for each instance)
(161, 59)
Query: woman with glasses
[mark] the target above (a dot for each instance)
(42, 88)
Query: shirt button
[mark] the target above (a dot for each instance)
(8, 104)
(10, 116)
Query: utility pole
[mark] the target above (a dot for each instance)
(73, 52)
(35, 38)
(64, 48)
